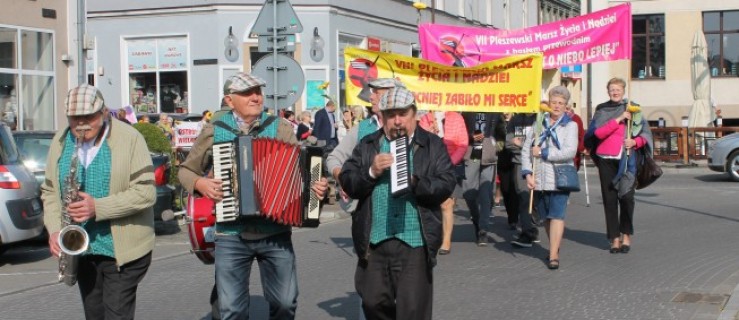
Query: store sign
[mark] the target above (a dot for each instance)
(373, 44)
(172, 53)
(141, 55)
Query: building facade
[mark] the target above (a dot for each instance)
(37, 62)
(174, 55)
(659, 73)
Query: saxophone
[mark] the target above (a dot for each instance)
(73, 239)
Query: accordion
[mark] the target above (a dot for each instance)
(265, 177)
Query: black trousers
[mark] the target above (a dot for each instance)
(615, 224)
(108, 293)
(396, 282)
(508, 190)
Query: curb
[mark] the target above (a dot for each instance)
(731, 309)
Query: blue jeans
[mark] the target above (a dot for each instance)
(477, 191)
(276, 258)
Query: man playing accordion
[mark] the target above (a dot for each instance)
(241, 241)
(397, 233)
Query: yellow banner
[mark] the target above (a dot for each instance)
(511, 84)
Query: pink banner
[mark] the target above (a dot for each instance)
(603, 35)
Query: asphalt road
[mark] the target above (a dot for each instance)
(684, 264)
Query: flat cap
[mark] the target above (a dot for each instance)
(242, 82)
(83, 100)
(396, 98)
(386, 83)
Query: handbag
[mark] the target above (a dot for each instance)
(647, 172)
(565, 178)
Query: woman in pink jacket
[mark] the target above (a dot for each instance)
(613, 152)
(450, 127)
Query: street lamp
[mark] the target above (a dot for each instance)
(316, 46)
(419, 6)
(232, 50)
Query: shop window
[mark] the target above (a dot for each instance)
(37, 51)
(9, 100)
(27, 89)
(8, 41)
(38, 100)
(158, 73)
(648, 47)
(722, 35)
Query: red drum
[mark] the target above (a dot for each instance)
(201, 228)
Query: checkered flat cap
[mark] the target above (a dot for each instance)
(226, 84)
(386, 83)
(83, 100)
(397, 98)
(242, 82)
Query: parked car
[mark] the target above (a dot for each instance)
(187, 117)
(34, 148)
(723, 156)
(21, 218)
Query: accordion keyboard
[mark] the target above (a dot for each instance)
(223, 164)
(399, 168)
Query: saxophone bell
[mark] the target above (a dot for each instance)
(73, 240)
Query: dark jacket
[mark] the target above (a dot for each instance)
(489, 152)
(432, 183)
(322, 126)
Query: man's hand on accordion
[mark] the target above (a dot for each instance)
(319, 188)
(210, 188)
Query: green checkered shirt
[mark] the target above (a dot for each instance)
(95, 180)
(394, 217)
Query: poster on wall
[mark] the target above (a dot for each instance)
(141, 55)
(172, 53)
(314, 94)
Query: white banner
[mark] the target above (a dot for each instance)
(185, 134)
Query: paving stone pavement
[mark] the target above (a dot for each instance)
(685, 242)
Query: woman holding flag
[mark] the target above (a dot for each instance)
(553, 141)
(617, 128)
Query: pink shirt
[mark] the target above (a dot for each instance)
(455, 133)
(612, 135)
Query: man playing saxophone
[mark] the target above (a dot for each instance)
(111, 198)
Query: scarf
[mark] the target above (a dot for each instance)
(626, 175)
(548, 131)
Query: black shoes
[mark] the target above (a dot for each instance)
(615, 250)
(524, 241)
(625, 248)
(553, 264)
(482, 238)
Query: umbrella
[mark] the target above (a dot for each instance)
(700, 113)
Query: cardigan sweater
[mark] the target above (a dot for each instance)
(129, 204)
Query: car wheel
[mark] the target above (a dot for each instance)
(732, 166)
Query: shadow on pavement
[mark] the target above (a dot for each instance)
(718, 177)
(166, 227)
(24, 253)
(690, 210)
(345, 244)
(346, 307)
(587, 238)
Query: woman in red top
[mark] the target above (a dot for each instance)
(450, 127)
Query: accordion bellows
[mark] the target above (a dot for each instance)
(265, 177)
